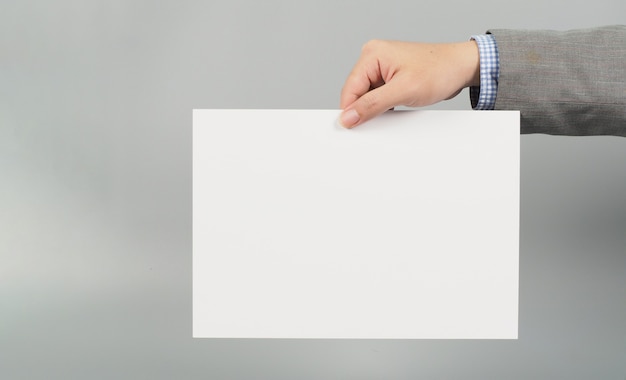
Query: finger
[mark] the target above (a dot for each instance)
(363, 78)
(371, 104)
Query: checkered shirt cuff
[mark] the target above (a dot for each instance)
(483, 97)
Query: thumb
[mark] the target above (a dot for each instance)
(370, 105)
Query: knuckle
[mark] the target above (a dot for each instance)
(370, 100)
(371, 45)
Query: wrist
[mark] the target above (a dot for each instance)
(471, 63)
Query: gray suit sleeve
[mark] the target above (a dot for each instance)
(564, 83)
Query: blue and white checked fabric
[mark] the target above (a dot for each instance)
(484, 96)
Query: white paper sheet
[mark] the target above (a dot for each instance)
(406, 227)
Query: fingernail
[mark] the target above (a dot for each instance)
(349, 118)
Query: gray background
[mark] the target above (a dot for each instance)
(95, 190)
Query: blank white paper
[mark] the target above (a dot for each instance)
(406, 227)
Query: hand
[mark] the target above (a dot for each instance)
(393, 73)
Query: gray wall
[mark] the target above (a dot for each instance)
(95, 190)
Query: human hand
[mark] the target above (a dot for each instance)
(393, 73)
